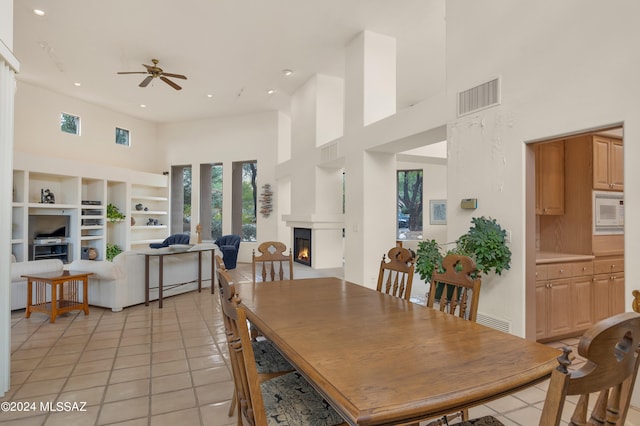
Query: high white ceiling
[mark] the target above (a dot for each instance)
(234, 50)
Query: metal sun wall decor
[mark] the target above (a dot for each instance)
(266, 203)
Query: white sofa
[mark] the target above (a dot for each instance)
(19, 284)
(120, 283)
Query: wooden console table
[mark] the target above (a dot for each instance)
(170, 251)
(65, 300)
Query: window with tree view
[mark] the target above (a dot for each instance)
(211, 196)
(409, 216)
(244, 199)
(180, 199)
(70, 123)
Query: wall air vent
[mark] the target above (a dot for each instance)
(485, 95)
(493, 322)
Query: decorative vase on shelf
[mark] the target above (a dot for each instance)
(133, 220)
(93, 253)
(139, 207)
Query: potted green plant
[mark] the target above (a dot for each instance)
(114, 214)
(112, 251)
(485, 242)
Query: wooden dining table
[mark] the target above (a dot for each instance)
(381, 360)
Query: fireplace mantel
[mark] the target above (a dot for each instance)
(314, 221)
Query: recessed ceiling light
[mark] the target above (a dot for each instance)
(143, 106)
(77, 84)
(209, 95)
(271, 91)
(287, 72)
(38, 12)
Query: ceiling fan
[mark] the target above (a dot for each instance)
(155, 71)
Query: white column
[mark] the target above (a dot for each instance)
(370, 176)
(7, 93)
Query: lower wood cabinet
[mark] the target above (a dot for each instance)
(608, 287)
(572, 296)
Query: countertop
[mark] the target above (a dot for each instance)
(543, 257)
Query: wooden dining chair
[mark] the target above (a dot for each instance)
(287, 399)
(612, 358)
(635, 304)
(459, 292)
(269, 362)
(219, 262)
(272, 261)
(396, 275)
(458, 295)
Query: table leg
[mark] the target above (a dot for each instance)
(27, 313)
(85, 295)
(146, 280)
(54, 300)
(199, 271)
(160, 277)
(213, 270)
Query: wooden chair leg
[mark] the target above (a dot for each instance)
(232, 406)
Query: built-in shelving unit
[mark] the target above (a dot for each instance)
(149, 209)
(79, 206)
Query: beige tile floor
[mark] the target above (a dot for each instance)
(150, 366)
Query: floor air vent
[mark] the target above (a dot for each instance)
(480, 97)
(495, 323)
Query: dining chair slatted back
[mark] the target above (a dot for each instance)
(274, 263)
(461, 293)
(396, 275)
(287, 397)
(612, 357)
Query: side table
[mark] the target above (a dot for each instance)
(65, 293)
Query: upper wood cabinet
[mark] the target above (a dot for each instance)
(608, 168)
(550, 178)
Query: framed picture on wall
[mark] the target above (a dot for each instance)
(438, 212)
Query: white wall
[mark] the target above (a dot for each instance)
(226, 140)
(6, 23)
(37, 131)
(565, 66)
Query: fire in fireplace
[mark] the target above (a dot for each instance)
(302, 245)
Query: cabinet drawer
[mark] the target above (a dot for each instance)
(542, 272)
(580, 269)
(606, 266)
(559, 270)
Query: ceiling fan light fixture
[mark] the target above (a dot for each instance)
(154, 71)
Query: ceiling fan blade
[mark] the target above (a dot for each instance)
(170, 83)
(132, 72)
(168, 74)
(146, 81)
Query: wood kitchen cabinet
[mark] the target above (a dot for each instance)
(553, 296)
(608, 287)
(564, 299)
(608, 167)
(550, 178)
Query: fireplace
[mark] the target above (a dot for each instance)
(302, 245)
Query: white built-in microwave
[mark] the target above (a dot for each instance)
(608, 212)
